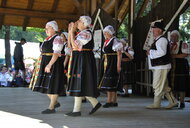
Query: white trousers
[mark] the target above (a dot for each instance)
(78, 102)
(160, 82)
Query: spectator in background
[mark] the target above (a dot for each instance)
(18, 59)
(5, 77)
(180, 68)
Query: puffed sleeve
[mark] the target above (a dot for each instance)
(67, 51)
(117, 45)
(131, 51)
(83, 38)
(57, 45)
(184, 48)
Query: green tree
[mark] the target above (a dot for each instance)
(123, 30)
(31, 34)
(184, 25)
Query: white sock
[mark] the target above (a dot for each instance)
(92, 100)
(77, 104)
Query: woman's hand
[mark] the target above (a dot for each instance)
(48, 68)
(69, 26)
(73, 27)
(118, 69)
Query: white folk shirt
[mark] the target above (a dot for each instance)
(161, 46)
(117, 45)
(130, 50)
(82, 38)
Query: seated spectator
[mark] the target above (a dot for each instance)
(5, 77)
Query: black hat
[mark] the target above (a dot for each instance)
(159, 25)
(22, 39)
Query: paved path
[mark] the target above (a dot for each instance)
(21, 108)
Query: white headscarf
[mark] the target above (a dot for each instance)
(86, 20)
(65, 34)
(53, 24)
(175, 32)
(109, 29)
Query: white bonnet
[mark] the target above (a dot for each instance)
(53, 24)
(109, 29)
(65, 34)
(175, 32)
(86, 20)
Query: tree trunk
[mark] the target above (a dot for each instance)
(7, 47)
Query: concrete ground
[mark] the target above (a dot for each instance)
(21, 108)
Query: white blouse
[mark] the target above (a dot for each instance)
(83, 38)
(175, 48)
(57, 45)
(130, 50)
(117, 45)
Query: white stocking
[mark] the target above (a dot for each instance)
(92, 100)
(77, 104)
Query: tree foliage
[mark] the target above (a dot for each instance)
(31, 34)
(184, 25)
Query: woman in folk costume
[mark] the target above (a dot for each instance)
(127, 68)
(67, 49)
(112, 66)
(180, 67)
(49, 77)
(82, 74)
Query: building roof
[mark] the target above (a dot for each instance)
(35, 13)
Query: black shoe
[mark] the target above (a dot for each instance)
(98, 105)
(73, 114)
(124, 95)
(176, 106)
(182, 105)
(107, 105)
(48, 111)
(57, 105)
(84, 100)
(114, 104)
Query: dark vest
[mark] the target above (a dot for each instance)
(166, 59)
(48, 45)
(108, 48)
(90, 44)
(124, 55)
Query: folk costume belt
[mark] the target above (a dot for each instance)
(83, 50)
(51, 54)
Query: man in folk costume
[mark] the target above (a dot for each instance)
(159, 62)
(83, 73)
(180, 68)
(49, 76)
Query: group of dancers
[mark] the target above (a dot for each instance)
(81, 80)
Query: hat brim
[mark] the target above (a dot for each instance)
(158, 27)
